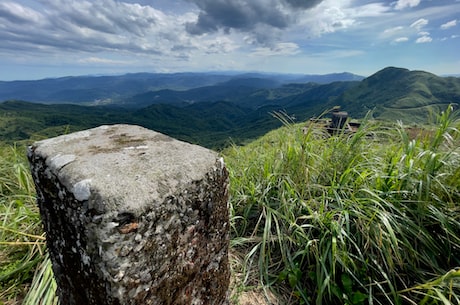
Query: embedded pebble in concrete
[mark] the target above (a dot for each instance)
(133, 217)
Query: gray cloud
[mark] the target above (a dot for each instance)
(14, 13)
(245, 15)
(87, 26)
(305, 4)
(105, 16)
(134, 26)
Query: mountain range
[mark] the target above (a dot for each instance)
(91, 90)
(215, 109)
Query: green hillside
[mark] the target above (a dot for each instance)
(213, 125)
(400, 94)
(354, 219)
(368, 218)
(29, 121)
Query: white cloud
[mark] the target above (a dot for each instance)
(394, 33)
(393, 30)
(401, 4)
(328, 17)
(369, 10)
(424, 39)
(449, 24)
(401, 39)
(419, 23)
(112, 34)
(104, 61)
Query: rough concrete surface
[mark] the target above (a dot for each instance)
(133, 217)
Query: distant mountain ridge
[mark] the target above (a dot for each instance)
(113, 89)
(239, 108)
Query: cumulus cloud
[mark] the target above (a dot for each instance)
(424, 39)
(245, 15)
(401, 4)
(449, 24)
(420, 23)
(330, 16)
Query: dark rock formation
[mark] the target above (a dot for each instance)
(133, 217)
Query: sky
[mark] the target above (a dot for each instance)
(55, 38)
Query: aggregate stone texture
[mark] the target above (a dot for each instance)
(133, 217)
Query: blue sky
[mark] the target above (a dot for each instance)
(53, 38)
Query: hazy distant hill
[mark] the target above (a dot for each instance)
(231, 90)
(89, 89)
(328, 78)
(250, 93)
(396, 93)
(113, 89)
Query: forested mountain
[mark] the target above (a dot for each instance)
(237, 109)
(396, 93)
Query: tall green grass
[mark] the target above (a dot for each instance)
(367, 218)
(21, 239)
(25, 269)
(364, 218)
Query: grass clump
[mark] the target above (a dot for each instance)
(21, 239)
(366, 218)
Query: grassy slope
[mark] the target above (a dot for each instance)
(351, 219)
(325, 220)
(21, 239)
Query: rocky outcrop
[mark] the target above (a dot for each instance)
(133, 217)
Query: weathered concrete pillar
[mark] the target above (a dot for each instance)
(133, 217)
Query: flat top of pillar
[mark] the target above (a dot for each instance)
(130, 166)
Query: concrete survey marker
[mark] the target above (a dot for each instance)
(133, 217)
